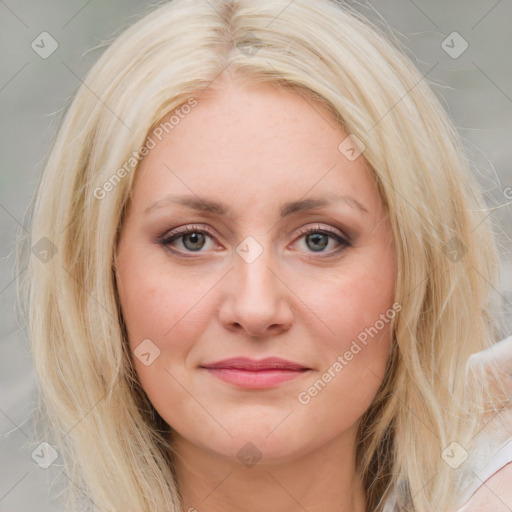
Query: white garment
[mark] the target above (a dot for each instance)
(492, 459)
(498, 461)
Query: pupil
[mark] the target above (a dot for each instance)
(197, 240)
(320, 239)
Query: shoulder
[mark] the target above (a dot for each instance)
(494, 495)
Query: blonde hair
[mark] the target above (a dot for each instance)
(113, 442)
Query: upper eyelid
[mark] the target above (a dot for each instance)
(330, 230)
(198, 227)
(181, 231)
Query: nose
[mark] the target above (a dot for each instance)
(257, 301)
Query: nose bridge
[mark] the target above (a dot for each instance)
(257, 299)
(254, 278)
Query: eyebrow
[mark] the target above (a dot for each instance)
(207, 205)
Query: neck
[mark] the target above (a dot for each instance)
(323, 480)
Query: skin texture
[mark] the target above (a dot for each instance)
(495, 495)
(253, 148)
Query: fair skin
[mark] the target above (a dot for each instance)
(495, 495)
(304, 298)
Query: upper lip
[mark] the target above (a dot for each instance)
(245, 363)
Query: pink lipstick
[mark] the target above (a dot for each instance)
(255, 374)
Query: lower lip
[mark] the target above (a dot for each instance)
(255, 379)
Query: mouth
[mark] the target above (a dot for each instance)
(255, 374)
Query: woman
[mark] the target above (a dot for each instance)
(267, 280)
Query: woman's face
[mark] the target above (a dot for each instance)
(288, 255)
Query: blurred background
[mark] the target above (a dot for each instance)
(47, 48)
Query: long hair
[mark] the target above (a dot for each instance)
(113, 443)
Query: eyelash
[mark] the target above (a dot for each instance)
(166, 240)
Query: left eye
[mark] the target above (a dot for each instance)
(195, 239)
(317, 240)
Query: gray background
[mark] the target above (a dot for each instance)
(476, 88)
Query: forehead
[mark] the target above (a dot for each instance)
(252, 142)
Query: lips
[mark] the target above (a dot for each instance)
(244, 363)
(255, 374)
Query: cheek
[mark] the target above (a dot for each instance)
(354, 301)
(165, 313)
(160, 303)
(356, 306)
(354, 358)
(164, 316)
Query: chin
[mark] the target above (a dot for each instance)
(254, 443)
